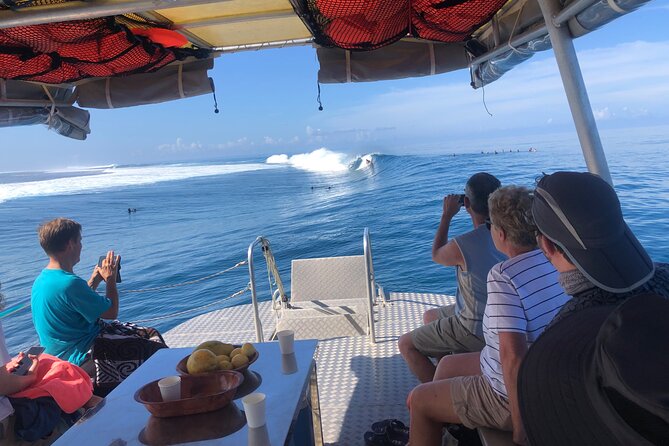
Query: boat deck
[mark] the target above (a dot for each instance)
(359, 382)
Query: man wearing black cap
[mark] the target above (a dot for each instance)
(583, 234)
(598, 375)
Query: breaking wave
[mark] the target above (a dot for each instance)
(92, 179)
(324, 160)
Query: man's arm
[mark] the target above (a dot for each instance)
(512, 350)
(446, 252)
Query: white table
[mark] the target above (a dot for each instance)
(122, 421)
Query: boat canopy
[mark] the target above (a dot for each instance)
(57, 56)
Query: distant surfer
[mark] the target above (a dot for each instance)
(132, 210)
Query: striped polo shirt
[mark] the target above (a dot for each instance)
(523, 296)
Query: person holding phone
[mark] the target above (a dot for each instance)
(66, 308)
(23, 383)
(457, 328)
(69, 315)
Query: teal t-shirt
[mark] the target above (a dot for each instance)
(65, 312)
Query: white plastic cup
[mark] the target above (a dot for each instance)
(170, 388)
(286, 341)
(258, 436)
(288, 364)
(254, 408)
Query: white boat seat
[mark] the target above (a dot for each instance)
(328, 298)
(328, 278)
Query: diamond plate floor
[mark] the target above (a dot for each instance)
(358, 382)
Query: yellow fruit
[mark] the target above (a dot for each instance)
(223, 363)
(249, 350)
(223, 358)
(216, 347)
(201, 361)
(239, 360)
(235, 352)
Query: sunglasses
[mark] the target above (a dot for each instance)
(488, 224)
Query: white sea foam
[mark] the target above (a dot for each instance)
(322, 160)
(113, 177)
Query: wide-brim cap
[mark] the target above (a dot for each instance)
(555, 387)
(580, 212)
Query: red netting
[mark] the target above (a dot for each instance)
(359, 24)
(451, 20)
(69, 51)
(371, 24)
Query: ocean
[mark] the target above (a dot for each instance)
(193, 220)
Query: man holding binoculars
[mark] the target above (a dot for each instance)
(457, 328)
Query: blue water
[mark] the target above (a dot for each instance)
(194, 220)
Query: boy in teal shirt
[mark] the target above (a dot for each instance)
(65, 308)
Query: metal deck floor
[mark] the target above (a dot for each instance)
(359, 382)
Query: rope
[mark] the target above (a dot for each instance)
(52, 112)
(19, 307)
(271, 266)
(191, 310)
(513, 30)
(190, 282)
(14, 309)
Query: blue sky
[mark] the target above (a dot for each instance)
(268, 106)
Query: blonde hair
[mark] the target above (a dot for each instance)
(511, 210)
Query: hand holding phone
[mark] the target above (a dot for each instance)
(26, 362)
(118, 267)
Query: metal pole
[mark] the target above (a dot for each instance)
(81, 10)
(577, 95)
(571, 10)
(30, 103)
(369, 273)
(254, 299)
(264, 45)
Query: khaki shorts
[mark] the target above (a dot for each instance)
(444, 336)
(478, 405)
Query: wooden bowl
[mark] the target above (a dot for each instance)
(199, 393)
(181, 366)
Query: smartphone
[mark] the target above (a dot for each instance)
(118, 269)
(25, 364)
(461, 200)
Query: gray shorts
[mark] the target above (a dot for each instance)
(477, 404)
(444, 336)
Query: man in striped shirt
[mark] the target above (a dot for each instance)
(523, 296)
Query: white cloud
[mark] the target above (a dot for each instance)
(180, 146)
(602, 114)
(528, 97)
(239, 142)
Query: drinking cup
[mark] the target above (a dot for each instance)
(258, 436)
(288, 364)
(170, 388)
(286, 341)
(254, 407)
